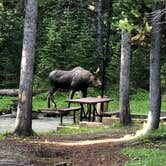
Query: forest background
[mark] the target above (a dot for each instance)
(67, 35)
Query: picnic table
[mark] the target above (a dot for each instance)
(91, 102)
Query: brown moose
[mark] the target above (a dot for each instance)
(77, 79)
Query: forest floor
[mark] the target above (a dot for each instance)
(99, 149)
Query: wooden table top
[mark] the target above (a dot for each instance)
(89, 100)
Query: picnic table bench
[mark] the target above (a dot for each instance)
(64, 111)
(109, 114)
(61, 112)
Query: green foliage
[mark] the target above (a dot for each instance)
(10, 45)
(139, 100)
(132, 13)
(139, 75)
(66, 37)
(6, 102)
(40, 101)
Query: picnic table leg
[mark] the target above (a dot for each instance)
(89, 111)
(61, 117)
(102, 109)
(94, 110)
(101, 118)
(74, 117)
(82, 110)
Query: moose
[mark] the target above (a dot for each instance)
(77, 79)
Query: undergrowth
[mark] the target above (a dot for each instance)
(139, 100)
(150, 150)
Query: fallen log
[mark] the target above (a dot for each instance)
(14, 92)
(9, 92)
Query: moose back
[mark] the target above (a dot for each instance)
(77, 79)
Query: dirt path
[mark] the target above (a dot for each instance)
(34, 154)
(101, 149)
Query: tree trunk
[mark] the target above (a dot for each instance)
(155, 94)
(108, 28)
(100, 41)
(99, 28)
(24, 110)
(125, 117)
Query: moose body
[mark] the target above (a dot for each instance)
(77, 79)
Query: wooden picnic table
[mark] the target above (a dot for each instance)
(91, 102)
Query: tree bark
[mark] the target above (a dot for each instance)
(24, 110)
(125, 117)
(155, 94)
(108, 28)
(100, 41)
(99, 28)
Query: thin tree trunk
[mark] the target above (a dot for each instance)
(155, 94)
(107, 46)
(125, 117)
(108, 28)
(100, 41)
(24, 110)
(99, 28)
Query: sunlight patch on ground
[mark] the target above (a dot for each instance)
(125, 138)
(87, 142)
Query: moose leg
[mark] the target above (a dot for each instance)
(48, 100)
(84, 93)
(71, 95)
(50, 96)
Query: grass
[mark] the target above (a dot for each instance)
(139, 100)
(5, 134)
(73, 129)
(151, 152)
(157, 134)
(145, 157)
(5, 102)
(76, 129)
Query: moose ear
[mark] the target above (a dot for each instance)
(91, 70)
(97, 71)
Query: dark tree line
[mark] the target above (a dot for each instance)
(67, 37)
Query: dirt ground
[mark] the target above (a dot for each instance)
(101, 149)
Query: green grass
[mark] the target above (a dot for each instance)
(76, 129)
(151, 152)
(157, 134)
(6, 101)
(139, 100)
(5, 134)
(145, 157)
